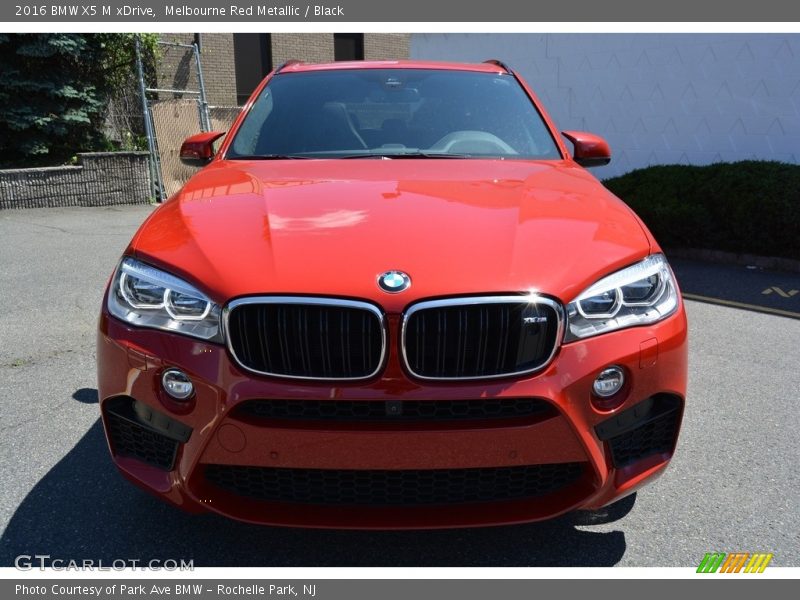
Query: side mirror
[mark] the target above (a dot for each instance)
(198, 150)
(589, 150)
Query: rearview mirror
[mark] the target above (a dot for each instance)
(198, 150)
(589, 150)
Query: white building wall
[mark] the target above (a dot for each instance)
(656, 98)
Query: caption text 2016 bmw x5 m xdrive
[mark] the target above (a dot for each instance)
(393, 298)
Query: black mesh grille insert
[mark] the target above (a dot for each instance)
(655, 437)
(393, 488)
(307, 340)
(647, 429)
(395, 410)
(136, 441)
(484, 339)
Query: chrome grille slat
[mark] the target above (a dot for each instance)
(262, 342)
(502, 340)
(462, 333)
(480, 337)
(304, 354)
(341, 339)
(281, 328)
(484, 337)
(441, 339)
(420, 332)
(322, 344)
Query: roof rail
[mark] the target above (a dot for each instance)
(289, 62)
(499, 63)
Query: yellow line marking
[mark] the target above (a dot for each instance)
(734, 304)
(780, 292)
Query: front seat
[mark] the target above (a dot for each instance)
(333, 130)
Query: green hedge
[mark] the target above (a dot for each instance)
(747, 207)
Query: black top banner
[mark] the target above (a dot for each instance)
(464, 11)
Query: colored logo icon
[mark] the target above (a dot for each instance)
(736, 562)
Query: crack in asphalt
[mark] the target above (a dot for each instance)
(51, 411)
(27, 362)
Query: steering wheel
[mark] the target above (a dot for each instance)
(472, 142)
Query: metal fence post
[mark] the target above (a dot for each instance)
(205, 119)
(148, 127)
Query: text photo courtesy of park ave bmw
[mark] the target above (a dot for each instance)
(358, 298)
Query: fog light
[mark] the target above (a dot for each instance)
(176, 383)
(609, 382)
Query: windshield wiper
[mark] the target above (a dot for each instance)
(372, 155)
(269, 157)
(415, 154)
(432, 155)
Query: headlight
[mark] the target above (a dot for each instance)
(147, 297)
(637, 295)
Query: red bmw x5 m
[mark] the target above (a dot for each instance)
(392, 298)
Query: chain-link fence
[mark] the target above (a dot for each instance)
(170, 79)
(177, 109)
(175, 120)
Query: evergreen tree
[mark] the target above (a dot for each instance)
(54, 91)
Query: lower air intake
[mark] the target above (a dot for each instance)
(650, 428)
(138, 431)
(394, 411)
(135, 441)
(393, 488)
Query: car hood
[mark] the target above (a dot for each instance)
(332, 226)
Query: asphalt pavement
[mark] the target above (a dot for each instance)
(732, 485)
(746, 287)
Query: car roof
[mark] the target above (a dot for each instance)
(300, 67)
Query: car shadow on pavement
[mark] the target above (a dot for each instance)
(84, 509)
(86, 396)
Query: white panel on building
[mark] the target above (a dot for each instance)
(657, 98)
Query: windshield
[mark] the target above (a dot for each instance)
(393, 112)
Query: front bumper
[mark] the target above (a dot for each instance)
(206, 456)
